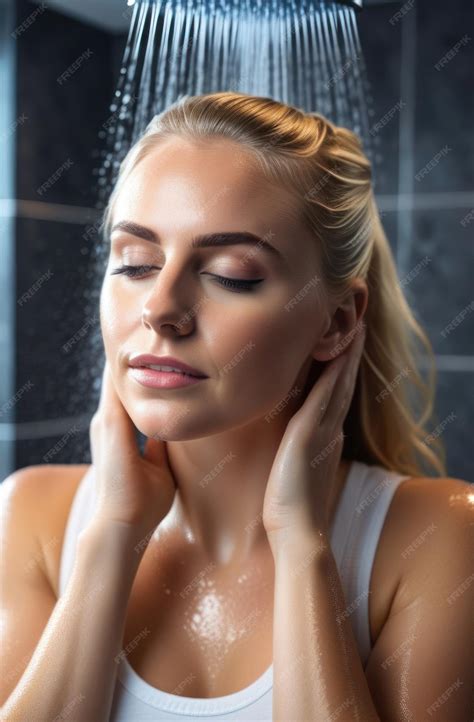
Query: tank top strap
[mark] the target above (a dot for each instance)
(358, 525)
(80, 513)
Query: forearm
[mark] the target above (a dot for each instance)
(318, 674)
(73, 669)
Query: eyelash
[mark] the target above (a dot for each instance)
(234, 284)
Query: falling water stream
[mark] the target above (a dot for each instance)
(303, 52)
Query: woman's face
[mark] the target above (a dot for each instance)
(255, 344)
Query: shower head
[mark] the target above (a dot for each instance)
(356, 4)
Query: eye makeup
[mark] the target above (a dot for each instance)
(233, 284)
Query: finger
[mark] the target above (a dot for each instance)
(113, 413)
(343, 390)
(305, 422)
(107, 389)
(314, 410)
(109, 399)
(155, 451)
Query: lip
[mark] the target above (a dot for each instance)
(146, 359)
(163, 379)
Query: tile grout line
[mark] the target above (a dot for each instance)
(24, 430)
(406, 140)
(426, 201)
(44, 211)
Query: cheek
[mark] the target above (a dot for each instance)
(276, 332)
(261, 354)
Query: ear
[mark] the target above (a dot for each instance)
(343, 319)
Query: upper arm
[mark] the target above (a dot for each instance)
(26, 597)
(420, 667)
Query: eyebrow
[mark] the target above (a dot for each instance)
(224, 238)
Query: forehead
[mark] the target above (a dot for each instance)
(186, 184)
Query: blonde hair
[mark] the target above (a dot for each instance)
(325, 168)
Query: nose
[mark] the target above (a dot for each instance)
(167, 309)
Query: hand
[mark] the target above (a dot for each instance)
(303, 472)
(134, 490)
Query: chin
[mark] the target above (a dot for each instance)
(165, 429)
(168, 426)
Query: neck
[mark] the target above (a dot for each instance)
(221, 482)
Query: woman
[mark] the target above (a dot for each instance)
(276, 553)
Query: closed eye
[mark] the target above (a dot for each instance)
(237, 284)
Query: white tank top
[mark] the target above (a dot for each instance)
(354, 536)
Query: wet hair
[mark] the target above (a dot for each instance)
(325, 168)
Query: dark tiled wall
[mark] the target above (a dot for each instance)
(64, 112)
(49, 320)
(426, 182)
(56, 156)
(444, 105)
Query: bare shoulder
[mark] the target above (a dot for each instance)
(41, 488)
(44, 494)
(429, 527)
(430, 504)
(423, 644)
(427, 519)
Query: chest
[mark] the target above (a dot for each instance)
(193, 631)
